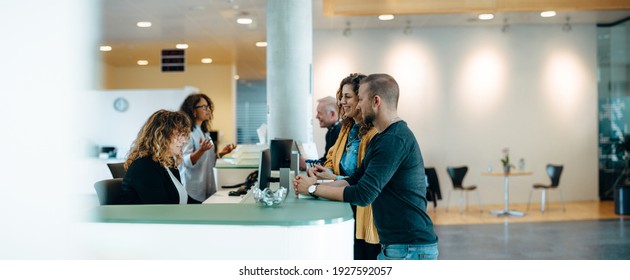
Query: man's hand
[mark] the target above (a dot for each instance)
(301, 182)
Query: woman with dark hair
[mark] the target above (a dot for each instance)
(345, 156)
(199, 157)
(152, 176)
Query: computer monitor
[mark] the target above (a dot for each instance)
(281, 151)
(264, 169)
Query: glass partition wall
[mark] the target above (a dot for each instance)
(613, 49)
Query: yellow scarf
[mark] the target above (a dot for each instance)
(364, 219)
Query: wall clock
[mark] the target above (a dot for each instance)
(121, 104)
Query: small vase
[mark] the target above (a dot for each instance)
(506, 169)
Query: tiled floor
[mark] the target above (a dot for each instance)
(585, 231)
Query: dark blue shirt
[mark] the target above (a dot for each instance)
(391, 178)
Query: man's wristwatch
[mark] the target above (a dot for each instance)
(312, 189)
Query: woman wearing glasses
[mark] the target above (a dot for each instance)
(152, 176)
(199, 154)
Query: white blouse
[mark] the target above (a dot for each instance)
(183, 195)
(198, 178)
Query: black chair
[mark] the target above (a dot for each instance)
(433, 186)
(117, 169)
(457, 175)
(108, 191)
(554, 172)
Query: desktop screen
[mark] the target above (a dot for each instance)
(264, 169)
(281, 150)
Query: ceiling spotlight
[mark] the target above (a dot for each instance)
(347, 31)
(408, 29)
(566, 27)
(206, 60)
(546, 14)
(181, 46)
(105, 48)
(143, 62)
(236, 77)
(244, 20)
(386, 17)
(486, 16)
(144, 24)
(261, 44)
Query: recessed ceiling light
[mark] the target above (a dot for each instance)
(486, 16)
(386, 17)
(143, 62)
(244, 21)
(206, 60)
(181, 46)
(105, 48)
(144, 24)
(236, 77)
(548, 14)
(261, 44)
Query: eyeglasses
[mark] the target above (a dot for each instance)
(205, 107)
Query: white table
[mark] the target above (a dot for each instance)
(506, 189)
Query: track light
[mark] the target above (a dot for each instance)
(566, 27)
(506, 26)
(408, 29)
(347, 31)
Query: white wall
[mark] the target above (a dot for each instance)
(468, 92)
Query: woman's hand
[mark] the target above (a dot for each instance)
(226, 150)
(323, 173)
(205, 144)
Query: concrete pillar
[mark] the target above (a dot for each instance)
(289, 69)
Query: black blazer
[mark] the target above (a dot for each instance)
(147, 182)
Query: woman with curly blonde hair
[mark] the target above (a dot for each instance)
(152, 176)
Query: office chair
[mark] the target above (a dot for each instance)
(457, 176)
(117, 169)
(433, 186)
(554, 172)
(108, 191)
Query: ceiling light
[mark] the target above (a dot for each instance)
(144, 24)
(386, 17)
(181, 46)
(261, 44)
(105, 48)
(244, 21)
(206, 60)
(143, 62)
(236, 77)
(486, 16)
(548, 14)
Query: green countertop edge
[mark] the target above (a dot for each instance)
(292, 212)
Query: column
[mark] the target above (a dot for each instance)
(289, 69)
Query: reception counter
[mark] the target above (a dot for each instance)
(303, 228)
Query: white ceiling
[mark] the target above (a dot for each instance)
(209, 28)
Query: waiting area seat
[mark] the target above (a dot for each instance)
(433, 186)
(554, 172)
(108, 191)
(457, 175)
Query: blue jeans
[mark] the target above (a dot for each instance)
(409, 252)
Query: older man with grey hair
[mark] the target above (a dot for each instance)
(328, 117)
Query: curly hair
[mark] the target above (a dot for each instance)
(353, 79)
(188, 108)
(156, 135)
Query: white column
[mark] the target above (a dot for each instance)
(289, 69)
